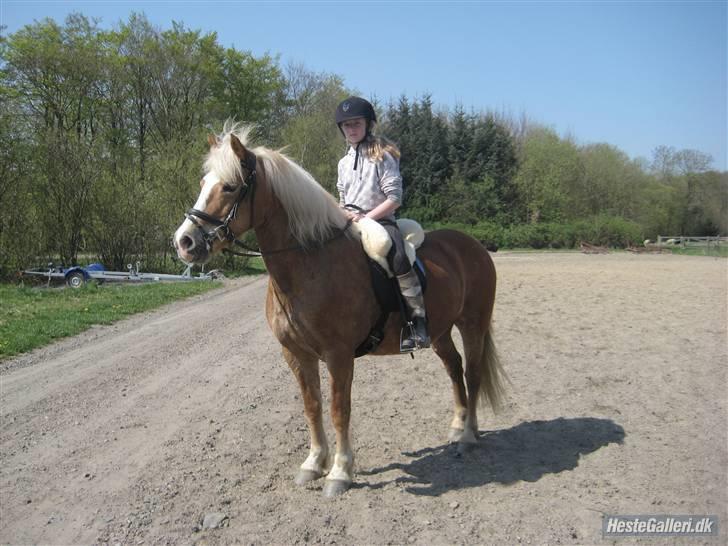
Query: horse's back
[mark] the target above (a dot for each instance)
(456, 252)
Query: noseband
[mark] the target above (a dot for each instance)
(222, 231)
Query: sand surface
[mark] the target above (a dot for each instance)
(132, 433)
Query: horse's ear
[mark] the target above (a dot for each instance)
(238, 147)
(212, 140)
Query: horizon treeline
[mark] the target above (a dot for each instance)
(102, 135)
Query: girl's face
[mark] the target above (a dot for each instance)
(354, 130)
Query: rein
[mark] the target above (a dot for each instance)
(222, 229)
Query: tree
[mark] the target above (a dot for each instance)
(56, 74)
(248, 88)
(130, 96)
(311, 136)
(610, 182)
(184, 66)
(492, 157)
(460, 141)
(550, 169)
(423, 139)
(683, 171)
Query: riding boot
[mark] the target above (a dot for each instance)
(414, 334)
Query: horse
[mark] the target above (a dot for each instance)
(320, 302)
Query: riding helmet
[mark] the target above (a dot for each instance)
(355, 107)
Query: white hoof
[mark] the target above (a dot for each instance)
(334, 488)
(462, 436)
(305, 476)
(454, 435)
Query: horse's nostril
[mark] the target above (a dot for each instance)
(186, 242)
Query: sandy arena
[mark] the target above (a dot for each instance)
(133, 433)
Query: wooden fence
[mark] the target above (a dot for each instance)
(684, 241)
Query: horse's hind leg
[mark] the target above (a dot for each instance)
(482, 374)
(305, 368)
(473, 344)
(448, 353)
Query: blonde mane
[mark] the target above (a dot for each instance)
(313, 213)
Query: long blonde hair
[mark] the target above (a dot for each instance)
(376, 145)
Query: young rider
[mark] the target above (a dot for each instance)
(370, 185)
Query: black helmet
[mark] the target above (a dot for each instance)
(355, 107)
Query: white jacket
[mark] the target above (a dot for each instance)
(371, 183)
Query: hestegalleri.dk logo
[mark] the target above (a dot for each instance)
(659, 525)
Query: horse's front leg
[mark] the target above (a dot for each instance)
(341, 475)
(305, 368)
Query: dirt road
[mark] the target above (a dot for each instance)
(133, 433)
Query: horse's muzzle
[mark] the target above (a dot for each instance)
(191, 246)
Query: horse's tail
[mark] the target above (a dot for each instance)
(491, 375)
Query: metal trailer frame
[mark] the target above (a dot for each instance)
(76, 276)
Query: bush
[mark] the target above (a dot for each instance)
(610, 231)
(488, 233)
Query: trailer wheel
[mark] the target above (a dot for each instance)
(76, 280)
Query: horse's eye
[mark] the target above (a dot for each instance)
(228, 188)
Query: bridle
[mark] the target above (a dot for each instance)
(222, 231)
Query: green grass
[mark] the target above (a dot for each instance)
(253, 266)
(33, 317)
(720, 251)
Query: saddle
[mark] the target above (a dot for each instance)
(377, 244)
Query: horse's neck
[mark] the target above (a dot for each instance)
(287, 265)
(295, 271)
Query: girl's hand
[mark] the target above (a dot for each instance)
(353, 215)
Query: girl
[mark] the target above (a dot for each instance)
(370, 185)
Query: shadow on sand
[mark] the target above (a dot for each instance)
(525, 452)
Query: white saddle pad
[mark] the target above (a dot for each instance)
(376, 242)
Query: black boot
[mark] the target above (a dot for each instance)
(414, 334)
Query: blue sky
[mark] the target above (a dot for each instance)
(633, 74)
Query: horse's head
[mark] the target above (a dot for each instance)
(224, 208)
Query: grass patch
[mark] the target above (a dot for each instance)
(252, 266)
(33, 317)
(719, 251)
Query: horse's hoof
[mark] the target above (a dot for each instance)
(454, 435)
(305, 476)
(334, 488)
(467, 437)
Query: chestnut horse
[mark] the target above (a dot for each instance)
(320, 302)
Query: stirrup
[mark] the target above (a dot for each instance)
(408, 342)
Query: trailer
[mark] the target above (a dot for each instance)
(76, 276)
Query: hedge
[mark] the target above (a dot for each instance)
(609, 231)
